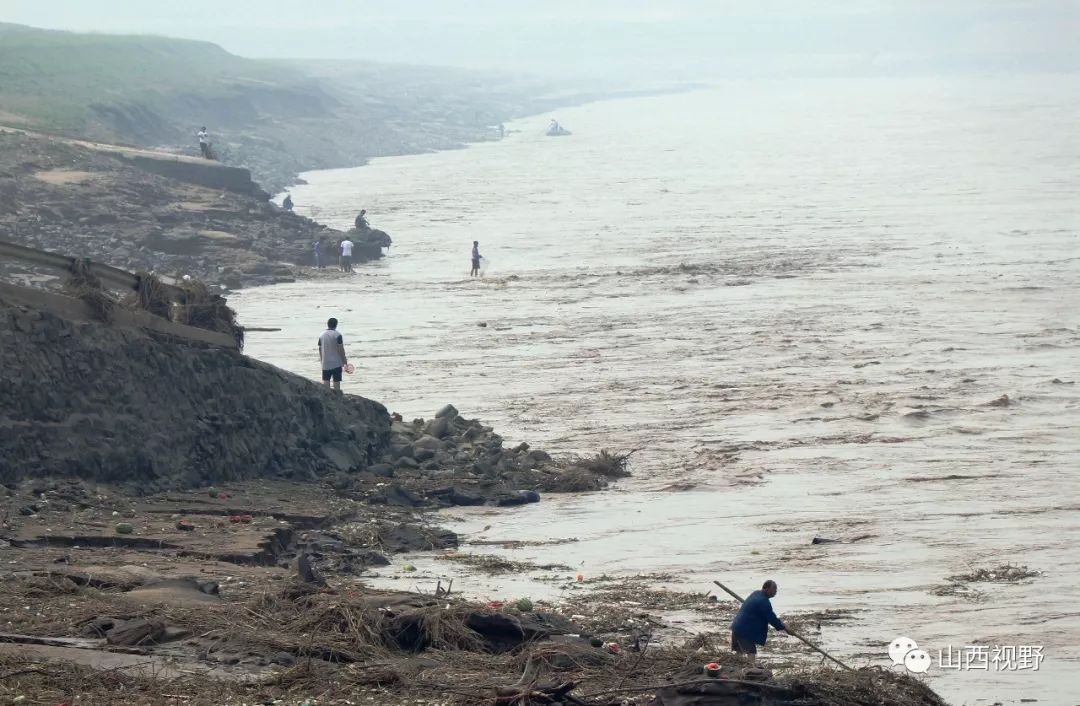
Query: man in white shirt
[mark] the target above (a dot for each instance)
(332, 355)
(204, 142)
(346, 255)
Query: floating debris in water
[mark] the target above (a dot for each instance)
(1005, 573)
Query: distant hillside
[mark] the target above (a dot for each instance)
(137, 88)
(274, 117)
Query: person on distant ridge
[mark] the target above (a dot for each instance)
(361, 220)
(204, 143)
(287, 204)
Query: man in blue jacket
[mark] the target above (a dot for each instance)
(751, 625)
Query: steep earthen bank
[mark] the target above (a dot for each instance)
(143, 213)
(84, 399)
(121, 403)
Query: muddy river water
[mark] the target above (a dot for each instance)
(798, 300)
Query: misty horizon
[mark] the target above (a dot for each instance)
(689, 40)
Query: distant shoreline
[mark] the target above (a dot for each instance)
(570, 101)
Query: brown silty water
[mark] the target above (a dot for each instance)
(800, 299)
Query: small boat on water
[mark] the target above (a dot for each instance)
(556, 130)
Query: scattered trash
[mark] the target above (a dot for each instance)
(241, 519)
(596, 642)
(496, 605)
(613, 648)
(408, 567)
(580, 578)
(712, 669)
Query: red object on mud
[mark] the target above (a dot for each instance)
(238, 519)
(496, 605)
(613, 648)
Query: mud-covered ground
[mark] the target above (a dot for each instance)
(260, 592)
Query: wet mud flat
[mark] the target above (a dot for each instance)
(261, 591)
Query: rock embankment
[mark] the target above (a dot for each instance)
(116, 404)
(453, 460)
(71, 199)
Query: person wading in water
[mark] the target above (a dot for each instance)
(475, 271)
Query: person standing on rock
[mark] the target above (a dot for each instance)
(332, 355)
(319, 244)
(204, 143)
(346, 255)
(751, 625)
(475, 271)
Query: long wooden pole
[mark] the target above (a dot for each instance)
(737, 597)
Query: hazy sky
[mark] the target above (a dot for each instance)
(652, 38)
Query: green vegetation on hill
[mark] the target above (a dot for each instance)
(74, 83)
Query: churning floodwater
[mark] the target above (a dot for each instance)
(798, 300)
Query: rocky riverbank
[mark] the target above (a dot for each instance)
(89, 201)
(126, 405)
(259, 592)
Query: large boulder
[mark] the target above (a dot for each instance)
(438, 427)
(429, 442)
